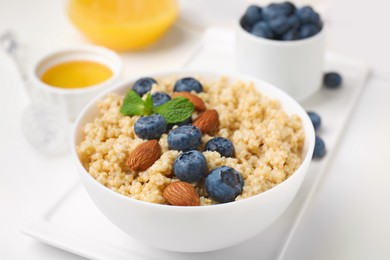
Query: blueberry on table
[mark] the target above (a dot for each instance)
(150, 127)
(190, 166)
(252, 15)
(224, 184)
(315, 119)
(160, 98)
(262, 29)
(221, 145)
(319, 149)
(188, 84)
(184, 138)
(332, 80)
(308, 30)
(143, 85)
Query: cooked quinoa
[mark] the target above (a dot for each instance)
(267, 141)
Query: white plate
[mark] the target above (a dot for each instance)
(73, 223)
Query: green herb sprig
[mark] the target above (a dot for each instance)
(173, 111)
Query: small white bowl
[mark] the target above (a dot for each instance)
(296, 67)
(203, 228)
(75, 99)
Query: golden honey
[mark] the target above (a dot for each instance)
(76, 74)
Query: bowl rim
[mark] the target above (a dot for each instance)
(309, 137)
(107, 54)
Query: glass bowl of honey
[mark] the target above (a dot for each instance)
(123, 24)
(73, 76)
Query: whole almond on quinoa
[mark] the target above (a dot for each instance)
(197, 101)
(181, 193)
(207, 121)
(144, 156)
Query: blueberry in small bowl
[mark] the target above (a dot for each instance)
(285, 46)
(281, 21)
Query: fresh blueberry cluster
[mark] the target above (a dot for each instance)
(319, 147)
(281, 21)
(223, 184)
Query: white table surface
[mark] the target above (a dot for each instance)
(346, 230)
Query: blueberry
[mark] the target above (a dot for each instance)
(290, 35)
(261, 29)
(160, 98)
(150, 127)
(187, 121)
(190, 166)
(245, 25)
(221, 145)
(319, 148)
(252, 15)
(277, 9)
(143, 85)
(188, 84)
(224, 184)
(279, 24)
(308, 30)
(332, 80)
(287, 8)
(315, 119)
(184, 138)
(307, 15)
(293, 22)
(271, 11)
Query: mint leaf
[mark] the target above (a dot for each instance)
(132, 104)
(175, 110)
(148, 103)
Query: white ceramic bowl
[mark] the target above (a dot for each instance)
(204, 228)
(296, 67)
(75, 99)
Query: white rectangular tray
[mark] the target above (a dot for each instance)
(73, 223)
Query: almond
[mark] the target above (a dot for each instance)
(197, 101)
(144, 156)
(181, 193)
(207, 121)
